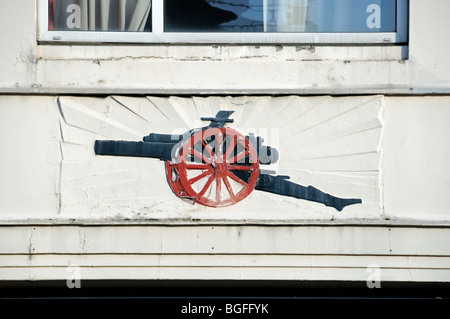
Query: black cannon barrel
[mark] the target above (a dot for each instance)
(163, 138)
(160, 146)
(162, 151)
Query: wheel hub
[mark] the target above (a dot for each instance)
(220, 169)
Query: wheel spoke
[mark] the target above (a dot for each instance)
(207, 185)
(219, 189)
(199, 177)
(230, 148)
(197, 166)
(238, 157)
(237, 179)
(228, 185)
(199, 155)
(208, 149)
(219, 145)
(240, 168)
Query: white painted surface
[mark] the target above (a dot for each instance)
(330, 143)
(416, 145)
(29, 156)
(398, 146)
(29, 67)
(242, 253)
(389, 151)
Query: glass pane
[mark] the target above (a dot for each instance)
(100, 15)
(214, 15)
(351, 16)
(280, 15)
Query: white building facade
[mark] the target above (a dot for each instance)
(364, 116)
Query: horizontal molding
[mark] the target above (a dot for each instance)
(224, 253)
(162, 240)
(256, 52)
(388, 89)
(233, 261)
(225, 273)
(59, 220)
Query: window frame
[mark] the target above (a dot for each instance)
(158, 36)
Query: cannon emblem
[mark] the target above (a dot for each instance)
(217, 166)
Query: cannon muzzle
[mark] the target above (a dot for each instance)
(163, 138)
(162, 151)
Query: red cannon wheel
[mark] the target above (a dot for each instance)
(210, 167)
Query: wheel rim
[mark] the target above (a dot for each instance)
(216, 167)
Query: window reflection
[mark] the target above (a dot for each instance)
(322, 16)
(280, 15)
(214, 15)
(100, 15)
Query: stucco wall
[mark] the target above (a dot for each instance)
(389, 151)
(420, 67)
(117, 218)
(356, 121)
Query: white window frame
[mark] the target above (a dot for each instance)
(159, 36)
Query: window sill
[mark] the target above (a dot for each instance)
(225, 69)
(216, 52)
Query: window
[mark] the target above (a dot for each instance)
(224, 21)
(104, 15)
